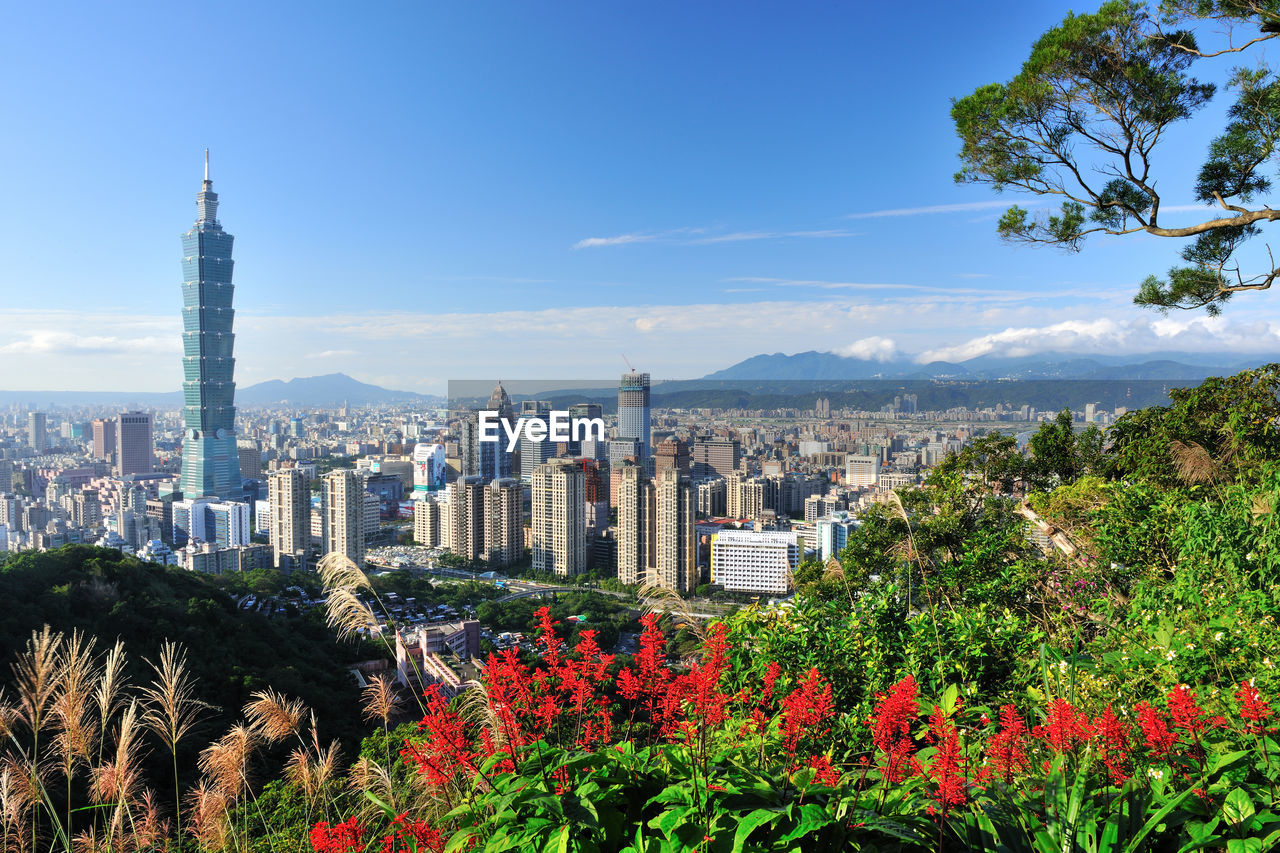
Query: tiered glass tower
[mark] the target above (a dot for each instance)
(210, 462)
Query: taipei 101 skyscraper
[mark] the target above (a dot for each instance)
(210, 463)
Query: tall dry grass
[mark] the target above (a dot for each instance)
(76, 735)
(76, 725)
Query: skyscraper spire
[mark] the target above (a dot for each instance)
(210, 459)
(207, 199)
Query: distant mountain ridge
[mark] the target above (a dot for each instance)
(332, 389)
(329, 390)
(814, 365)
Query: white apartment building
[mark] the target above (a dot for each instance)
(754, 561)
(861, 471)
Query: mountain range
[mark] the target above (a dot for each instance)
(821, 368)
(330, 390)
(818, 366)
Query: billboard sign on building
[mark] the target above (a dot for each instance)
(428, 467)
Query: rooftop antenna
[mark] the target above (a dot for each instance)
(206, 165)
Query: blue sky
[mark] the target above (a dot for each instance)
(425, 191)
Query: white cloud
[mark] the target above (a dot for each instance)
(688, 237)
(619, 240)
(1136, 335)
(940, 208)
(874, 348)
(1069, 335)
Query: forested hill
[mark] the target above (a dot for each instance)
(230, 653)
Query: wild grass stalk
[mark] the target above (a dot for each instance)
(172, 710)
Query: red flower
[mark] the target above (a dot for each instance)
(1114, 745)
(824, 773)
(891, 729)
(1064, 727)
(342, 837)
(446, 749)
(1253, 708)
(415, 836)
(548, 641)
(1189, 716)
(1160, 739)
(1007, 747)
(947, 768)
(805, 710)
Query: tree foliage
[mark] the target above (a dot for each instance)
(1083, 122)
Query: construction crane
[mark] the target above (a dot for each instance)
(624, 358)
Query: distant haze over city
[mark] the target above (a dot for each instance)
(336, 389)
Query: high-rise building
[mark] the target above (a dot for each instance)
(344, 514)
(622, 449)
(534, 453)
(206, 520)
(250, 458)
(37, 436)
(596, 496)
(462, 518)
(635, 524)
(86, 508)
(488, 460)
(633, 410)
(711, 498)
(289, 527)
(833, 534)
(134, 453)
(428, 468)
(499, 402)
(426, 521)
(503, 522)
(746, 497)
(584, 410)
(862, 470)
(228, 524)
(672, 454)
(210, 461)
(558, 534)
(104, 438)
(675, 563)
(754, 561)
(657, 542)
(715, 457)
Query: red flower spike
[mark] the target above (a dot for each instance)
(1254, 710)
(1187, 714)
(823, 771)
(414, 836)
(446, 750)
(1112, 735)
(891, 729)
(947, 767)
(1007, 747)
(345, 837)
(806, 710)
(1155, 731)
(1064, 727)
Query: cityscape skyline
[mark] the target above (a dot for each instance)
(675, 218)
